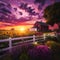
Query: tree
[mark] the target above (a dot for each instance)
(52, 13)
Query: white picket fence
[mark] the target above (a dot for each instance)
(32, 39)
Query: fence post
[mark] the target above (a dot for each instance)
(44, 36)
(33, 38)
(10, 44)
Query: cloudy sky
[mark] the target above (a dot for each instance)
(22, 12)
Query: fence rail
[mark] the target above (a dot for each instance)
(31, 39)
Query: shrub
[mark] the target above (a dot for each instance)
(55, 47)
(40, 52)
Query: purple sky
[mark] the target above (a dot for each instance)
(13, 12)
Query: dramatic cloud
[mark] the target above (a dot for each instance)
(17, 11)
(4, 10)
(41, 3)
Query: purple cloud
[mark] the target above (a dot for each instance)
(14, 11)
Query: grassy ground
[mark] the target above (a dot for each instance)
(35, 51)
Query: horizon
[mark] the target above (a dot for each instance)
(22, 12)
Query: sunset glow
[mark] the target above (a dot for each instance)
(29, 29)
(22, 29)
(21, 12)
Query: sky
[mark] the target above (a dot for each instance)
(15, 13)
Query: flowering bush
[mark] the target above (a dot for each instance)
(40, 52)
(55, 47)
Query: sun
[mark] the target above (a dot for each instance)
(22, 29)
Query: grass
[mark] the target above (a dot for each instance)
(30, 52)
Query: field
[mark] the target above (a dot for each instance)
(47, 50)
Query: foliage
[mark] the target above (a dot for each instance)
(52, 13)
(3, 45)
(4, 36)
(6, 57)
(49, 51)
(23, 56)
(55, 47)
(40, 52)
(53, 38)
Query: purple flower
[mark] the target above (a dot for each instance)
(40, 52)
